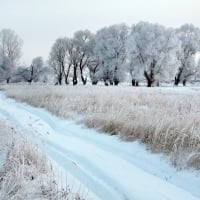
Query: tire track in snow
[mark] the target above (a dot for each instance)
(105, 188)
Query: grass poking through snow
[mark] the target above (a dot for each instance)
(25, 171)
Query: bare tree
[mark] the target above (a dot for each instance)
(10, 52)
(33, 72)
(111, 52)
(59, 59)
(153, 49)
(190, 45)
(5, 69)
(10, 45)
(93, 69)
(83, 49)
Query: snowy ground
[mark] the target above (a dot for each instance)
(110, 168)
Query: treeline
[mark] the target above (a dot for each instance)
(144, 51)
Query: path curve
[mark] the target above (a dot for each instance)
(110, 168)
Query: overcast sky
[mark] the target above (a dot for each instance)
(40, 22)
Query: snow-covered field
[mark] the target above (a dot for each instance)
(165, 119)
(107, 166)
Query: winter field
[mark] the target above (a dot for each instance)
(27, 173)
(166, 121)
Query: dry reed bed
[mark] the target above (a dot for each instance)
(166, 120)
(26, 172)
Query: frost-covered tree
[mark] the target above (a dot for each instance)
(135, 69)
(5, 69)
(10, 45)
(93, 70)
(197, 70)
(190, 45)
(73, 60)
(110, 50)
(82, 54)
(59, 59)
(32, 73)
(93, 63)
(10, 52)
(152, 51)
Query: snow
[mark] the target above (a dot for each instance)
(3, 148)
(3, 154)
(106, 166)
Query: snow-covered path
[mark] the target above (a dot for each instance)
(110, 168)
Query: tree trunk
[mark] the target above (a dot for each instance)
(67, 75)
(184, 82)
(84, 80)
(29, 81)
(8, 80)
(116, 77)
(105, 82)
(66, 80)
(94, 82)
(60, 75)
(60, 80)
(133, 82)
(149, 83)
(149, 79)
(75, 81)
(178, 76)
(116, 82)
(176, 81)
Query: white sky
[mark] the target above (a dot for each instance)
(40, 22)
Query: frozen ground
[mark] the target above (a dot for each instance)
(110, 168)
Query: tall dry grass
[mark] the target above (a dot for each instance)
(167, 120)
(26, 172)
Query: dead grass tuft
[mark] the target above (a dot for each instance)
(25, 172)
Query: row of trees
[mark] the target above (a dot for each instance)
(145, 51)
